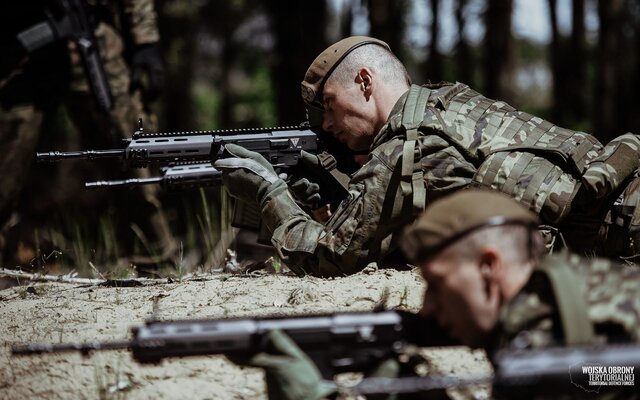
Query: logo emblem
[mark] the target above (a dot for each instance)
(308, 94)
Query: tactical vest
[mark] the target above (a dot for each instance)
(539, 164)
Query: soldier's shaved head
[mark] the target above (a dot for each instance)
(377, 58)
(518, 244)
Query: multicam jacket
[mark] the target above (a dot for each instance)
(571, 300)
(442, 138)
(607, 308)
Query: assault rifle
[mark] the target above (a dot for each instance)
(195, 176)
(73, 23)
(356, 342)
(185, 153)
(336, 343)
(280, 146)
(578, 370)
(172, 179)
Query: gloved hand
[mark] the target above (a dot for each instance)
(306, 192)
(289, 372)
(146, 59)
(247, 176)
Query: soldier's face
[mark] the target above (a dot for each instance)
(348, 115)
(460, 298)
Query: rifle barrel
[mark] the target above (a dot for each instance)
(124, 182)
(83, 348)
(377, 386)
(88, 154)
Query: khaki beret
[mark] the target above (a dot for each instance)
(450, 218)
(322, 67)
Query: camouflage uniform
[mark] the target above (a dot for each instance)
(608, 309)
(605, 309)
(449, 137)
(32, 90)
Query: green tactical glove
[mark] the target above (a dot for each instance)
(303, 190)
(247, 176)
(289, 372)
(306, 192)
(310, 160)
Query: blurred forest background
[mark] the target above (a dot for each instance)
(235, 63)
(239, 64)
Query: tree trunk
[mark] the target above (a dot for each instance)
(299, 31)
(610, 13)
(559, 103)
(634, 123)
(228, 64)
(178, 43)
(576, 79)
(434, 62)
(556, 62)
(463, 56)
(626, 67)
(387, 23)
(498, 49)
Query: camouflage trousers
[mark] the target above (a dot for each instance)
(21, 127)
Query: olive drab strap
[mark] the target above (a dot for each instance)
(576, 325)
(329, 163)
(412, 177)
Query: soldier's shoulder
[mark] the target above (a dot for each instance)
(388, 153)
(611, 294)
(530, 319)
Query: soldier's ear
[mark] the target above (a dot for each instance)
(365, 79)
(488, 261)
(490, 266)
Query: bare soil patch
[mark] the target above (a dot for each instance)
(57, 312)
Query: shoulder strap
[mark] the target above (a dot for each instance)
(413, 111)
(566, 285)
(329, 163)
(412, 178)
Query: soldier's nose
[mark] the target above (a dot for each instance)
(327, 123)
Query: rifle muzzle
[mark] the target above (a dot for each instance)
(83, 348)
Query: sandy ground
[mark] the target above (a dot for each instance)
(56, 312)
